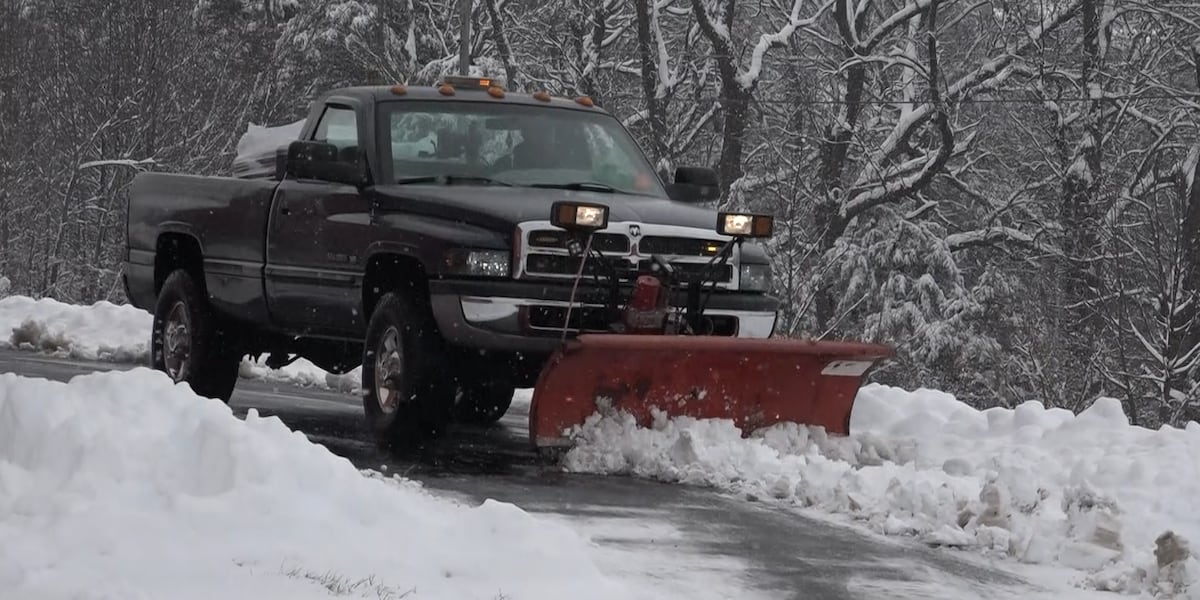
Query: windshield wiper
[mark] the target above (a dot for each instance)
(449, 179)
(590, 186)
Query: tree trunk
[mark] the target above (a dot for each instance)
(835, 147)
(1080, 325)
(649, 79)
(510, 70)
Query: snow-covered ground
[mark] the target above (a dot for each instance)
(1089, 493)
(1089, 497)
(121, 333)
(123, 485)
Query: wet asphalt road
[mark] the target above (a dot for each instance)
(675, 541)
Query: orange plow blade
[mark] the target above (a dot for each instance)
(754, 382)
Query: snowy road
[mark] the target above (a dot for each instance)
(673, 541)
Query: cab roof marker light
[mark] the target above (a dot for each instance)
(585, 101)
(541, 95)
(399, 90)
(446, 89)
(482, 83)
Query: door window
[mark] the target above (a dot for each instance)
(339, 126)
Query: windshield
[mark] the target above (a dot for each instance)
(514, 145)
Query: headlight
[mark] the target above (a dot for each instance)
(578, 216)
(479, 263)
(745, 225)
(755, 278)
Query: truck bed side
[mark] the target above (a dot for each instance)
(219, 222)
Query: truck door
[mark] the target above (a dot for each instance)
(315, 239)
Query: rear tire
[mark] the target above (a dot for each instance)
(405, 391)
(482, 401)
(188, 342)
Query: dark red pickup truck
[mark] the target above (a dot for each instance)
(407, 230)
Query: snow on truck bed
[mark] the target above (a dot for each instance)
(123, 485)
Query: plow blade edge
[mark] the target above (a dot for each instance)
(754, 382)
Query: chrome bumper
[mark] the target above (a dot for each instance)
(495, 323)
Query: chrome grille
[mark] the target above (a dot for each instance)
(689, 271)
(679, 246)
(552, 238)
(627, 246)
(562, 264)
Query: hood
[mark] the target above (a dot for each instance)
(501, 208)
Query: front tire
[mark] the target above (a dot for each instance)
(188, 343)
(483, 401)
(405, 397)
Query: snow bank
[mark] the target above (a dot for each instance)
(303, 373)
(121, 333)
(1088, 492)
(102, 331)
(122, 485)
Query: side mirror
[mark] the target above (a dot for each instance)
(319, 160)
(694, 185)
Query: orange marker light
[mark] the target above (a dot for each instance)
(496, 92)
(399, 90)
(586, 101)
(446, 89)
(542, 95)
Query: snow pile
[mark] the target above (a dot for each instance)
(102, 331)
(122, 485)
(1088, 492)
(303, 373)
(121, 333)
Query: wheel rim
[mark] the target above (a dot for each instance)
(388, 368)
(177, 342)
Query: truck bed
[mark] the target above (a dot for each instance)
(226, 216)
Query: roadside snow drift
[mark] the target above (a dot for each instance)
(120, 333)
(102, 331)
(1089, 492)
(122, 485)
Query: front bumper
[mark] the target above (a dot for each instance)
(496, 315)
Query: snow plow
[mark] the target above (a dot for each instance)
(660, 359)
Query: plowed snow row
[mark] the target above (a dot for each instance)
(1089, 492)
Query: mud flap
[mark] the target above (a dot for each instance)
(754, 382)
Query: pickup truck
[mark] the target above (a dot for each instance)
(407, 230)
